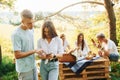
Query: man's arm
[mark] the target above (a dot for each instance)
(19, 54)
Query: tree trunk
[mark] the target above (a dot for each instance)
(112, 20)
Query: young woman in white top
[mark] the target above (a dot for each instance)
(66, 45)
(52, 48)
(81, 45)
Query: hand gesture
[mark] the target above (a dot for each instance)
(40, 51)
(49, 56)
(41, 54)
(94, 43)
(100, 53)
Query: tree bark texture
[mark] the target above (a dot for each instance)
(112, 20)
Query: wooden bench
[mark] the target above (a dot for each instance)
(99, 69)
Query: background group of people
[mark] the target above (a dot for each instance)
(106, 47)
(50, 47)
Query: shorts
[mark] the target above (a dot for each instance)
(30, 75)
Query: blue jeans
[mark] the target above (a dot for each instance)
(113, 57)
(49, 71)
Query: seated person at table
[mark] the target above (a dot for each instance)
(107, 48)
(81, 46)
(65, 43)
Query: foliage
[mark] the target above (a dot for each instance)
(7, 68)
(14, 22)
(99, 19)
(118, 25)
(39, 16)
(102, 19)
(115, 71)
(7, 3)
(10, 76)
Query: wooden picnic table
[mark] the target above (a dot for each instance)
(98, 69)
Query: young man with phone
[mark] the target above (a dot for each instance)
(23, 45)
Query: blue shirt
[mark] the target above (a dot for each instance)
(23, 40)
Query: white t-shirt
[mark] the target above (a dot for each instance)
(110, 46)
(65, 45)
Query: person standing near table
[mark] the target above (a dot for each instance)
(23, 45)
(66, 45)
(52, 48)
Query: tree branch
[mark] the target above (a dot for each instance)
(91, 2)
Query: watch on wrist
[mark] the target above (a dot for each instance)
(54, 56)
